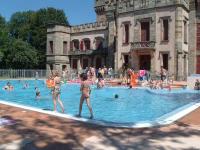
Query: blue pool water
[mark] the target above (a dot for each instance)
(133, 105)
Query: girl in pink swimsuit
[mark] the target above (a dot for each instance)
(85, 89)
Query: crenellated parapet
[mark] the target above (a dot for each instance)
(89, 27)
(122, 6)
(100, 3)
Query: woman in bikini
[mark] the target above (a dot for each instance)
(56, 92)
(85, 89)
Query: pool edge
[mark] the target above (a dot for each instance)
(164, 120)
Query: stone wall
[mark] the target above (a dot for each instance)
(89, 27)
(57, 34)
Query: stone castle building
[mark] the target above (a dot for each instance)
(194, 37)
(142, 34)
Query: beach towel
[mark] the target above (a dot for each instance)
(6, 122)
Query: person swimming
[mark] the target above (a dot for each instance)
(8, 87)
(116, 96)
(37, 93)
(25, 86)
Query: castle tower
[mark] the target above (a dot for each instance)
(100, 10)
(58, 45)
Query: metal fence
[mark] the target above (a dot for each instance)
(26, 73)
(69, 75)
(22, 73)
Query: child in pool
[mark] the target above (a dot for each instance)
(85, 89)
(116, 96)
(37, 93)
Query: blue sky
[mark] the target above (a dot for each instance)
(77, 11)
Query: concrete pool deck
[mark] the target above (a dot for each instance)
(36, 131)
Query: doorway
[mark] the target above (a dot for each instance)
(165, 58)
(64, 67)
(85, 63)
(74, 64)
(98, 63)
(145, 62)
(198, 65)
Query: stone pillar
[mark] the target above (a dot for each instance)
(180, 65)
(153, 62)
(135, 60)
(112, 51)
(178, 43)
(192, 38)
(79, 68)
(48, 67)
(153, 28)
(48, 70)
(185, 66)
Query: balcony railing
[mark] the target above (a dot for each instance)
(143, 45)
(102, 51)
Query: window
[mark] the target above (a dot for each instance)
(165, 30)
(126, 59)
(64, 47)
(198, 65)
(74, 63)
(165, 58)
(145, 31)
(76, 44)
(99, 42)
(198, 36)
(87, 44)
(126, 34)
(144, 3)
(64, 67)
(185, 32)
(51, 47)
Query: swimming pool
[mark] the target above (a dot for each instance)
(133, 105)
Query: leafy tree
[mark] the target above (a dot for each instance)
(3, 35)
(19, 54)
(23, 38)
(20, 23)
(2, 21)
(31, 26)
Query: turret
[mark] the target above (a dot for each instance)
(100, 10)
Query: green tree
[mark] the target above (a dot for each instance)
(19, 54)
(31, 26)
(3, 36)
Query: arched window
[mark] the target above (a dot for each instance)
(76, 44)
(87, 44)
(99, 42)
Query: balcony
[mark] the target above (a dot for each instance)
(143, 45)
(88, 52)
